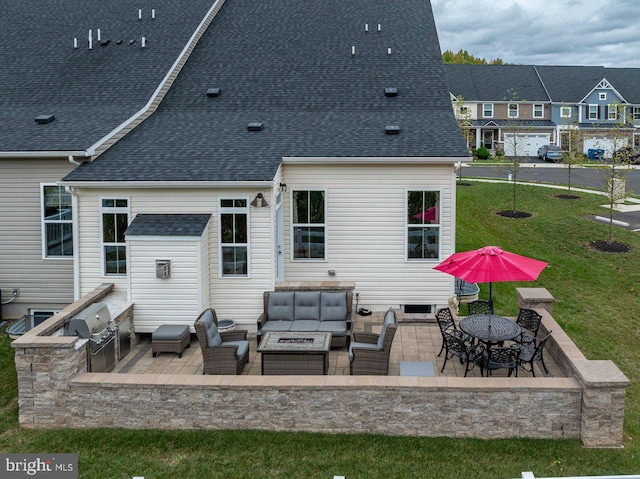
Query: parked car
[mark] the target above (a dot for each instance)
(549, 153)
(629, 154)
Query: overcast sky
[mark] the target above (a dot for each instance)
(543, 32)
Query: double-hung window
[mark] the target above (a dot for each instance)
(565, 112)
(513, 110)
(57, 222)
(636, 112)
(115, 219)
(487, 110)
(612, 113)
(234, 236)
(423, 225)
(309, 225)
(593, 112)
(538, 111)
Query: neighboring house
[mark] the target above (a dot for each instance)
(62, 104)
(510, 109)
(302, 142)
(530, 106)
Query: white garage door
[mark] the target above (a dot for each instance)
(524, 144)
(606, 144)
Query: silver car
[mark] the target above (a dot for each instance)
(549, 153)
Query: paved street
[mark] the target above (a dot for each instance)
(586, 177)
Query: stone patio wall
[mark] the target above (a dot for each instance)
(56, 391)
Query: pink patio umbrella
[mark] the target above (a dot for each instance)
(491, 264)
(427, 215)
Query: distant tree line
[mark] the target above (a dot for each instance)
(464, 56)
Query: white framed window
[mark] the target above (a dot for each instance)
(514, 110)
(565, 112)
(593, 112)
(309, 227)
(538, 111)
(234, 236)
(423, 224)
(636, 112)
(57, 222)
(115, 219)
(602, 96)
(612, 113)
(464, 111)
(487, 110)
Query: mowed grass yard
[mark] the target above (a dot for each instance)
(596, 303)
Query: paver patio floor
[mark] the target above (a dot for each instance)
(414, 341)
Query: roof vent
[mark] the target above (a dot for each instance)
(43, 119)
(392, 129)
(255, 126)
(213, 92)
(390, 91)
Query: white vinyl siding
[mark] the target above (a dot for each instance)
(43, 283)
(366, 230)
(244, 305)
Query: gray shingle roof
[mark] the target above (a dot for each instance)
(288, 64)
(168, 225)
(515, 123)
(90, 92)
(570, 84)
(494, 83)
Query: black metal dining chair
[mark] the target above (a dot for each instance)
(480, 306)
(530, 353)
(529, 322)
(498, 357)
(455, 346)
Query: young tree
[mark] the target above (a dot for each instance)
(514, 149)
(463, 117)
(572, 156)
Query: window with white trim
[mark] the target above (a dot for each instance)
(602, 96)
(592, 112)
(538, 111)
(309, 225)
(565, 112)
(612, 113)
(57, 222)
(487, 110)
(423, 225)
(513, 110)
(636, 112)
(115, 219)
(234, 236)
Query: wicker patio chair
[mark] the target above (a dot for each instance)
(529, 353)
(469, 354)
(222, 353)
(480, 306)
(498, 357)
(529, 322)
(369, 352)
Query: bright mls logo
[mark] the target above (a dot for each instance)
(50, 466)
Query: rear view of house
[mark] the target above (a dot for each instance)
(301, 142)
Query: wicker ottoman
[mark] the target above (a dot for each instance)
(170, 339)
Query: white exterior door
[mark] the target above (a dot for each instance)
(524, 144)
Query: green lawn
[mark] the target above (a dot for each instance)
(596, 302)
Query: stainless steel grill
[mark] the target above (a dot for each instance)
(94, 323)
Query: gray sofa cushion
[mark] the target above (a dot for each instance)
(280, 306)
(305, 325)
(243, 347)
(337, 328)
(333, 306)
(307, 305)
(389, 318)
(213, 335)
(276, 326)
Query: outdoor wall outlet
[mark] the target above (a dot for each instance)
(16, 292)
(357, 295)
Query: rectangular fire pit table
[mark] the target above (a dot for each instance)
(295, 353)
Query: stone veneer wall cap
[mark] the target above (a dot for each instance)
(600, 374)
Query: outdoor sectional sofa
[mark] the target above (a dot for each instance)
(304, 311)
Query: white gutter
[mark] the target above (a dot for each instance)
(41, 154)
(177, 65)
(167, 184)
(371, 159)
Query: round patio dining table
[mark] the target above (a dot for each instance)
(489, 328)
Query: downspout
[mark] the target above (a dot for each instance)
(73, 161)
(76, 242)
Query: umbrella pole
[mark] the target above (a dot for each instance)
(490, 304)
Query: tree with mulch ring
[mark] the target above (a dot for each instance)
(514, 214)
(463, 183)
(568, 197)
(606, 247)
